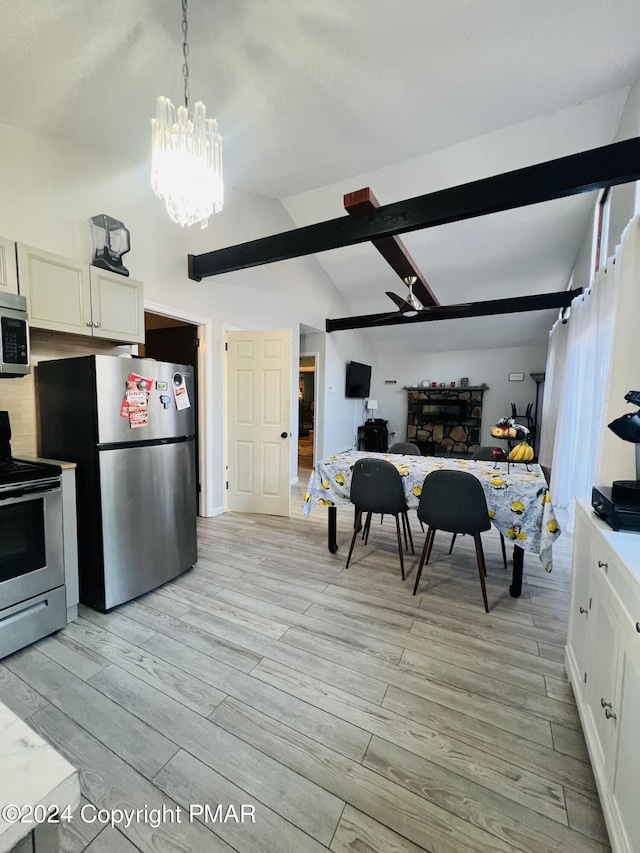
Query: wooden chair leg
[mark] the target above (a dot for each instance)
(504, 552)
(424, 556)
(453, 542)
(406, 519)
(404, 532)
(482, 571)
(356, 528)
(367, 528)
(400, 545)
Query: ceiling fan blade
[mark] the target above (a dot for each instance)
(402, 304)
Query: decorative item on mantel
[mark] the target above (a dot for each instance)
(186, 158)
(111, 240)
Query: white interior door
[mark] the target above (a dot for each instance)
(259, 421)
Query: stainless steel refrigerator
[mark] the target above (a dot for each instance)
(129, 425)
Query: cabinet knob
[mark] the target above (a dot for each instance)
(583, 610)
(89, 323)
(96, 325)
(610, 715)
(605, 704)
(602, 565)
(638, 627)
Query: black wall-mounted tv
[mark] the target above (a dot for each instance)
(358, 379)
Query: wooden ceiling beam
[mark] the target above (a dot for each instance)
(609, 165)
(511, 305)
(362, 203)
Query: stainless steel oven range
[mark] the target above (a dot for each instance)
(32, 591)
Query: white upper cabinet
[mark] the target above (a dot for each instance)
(67, 296)
(57, 291)
(117, 305)
(8, 271)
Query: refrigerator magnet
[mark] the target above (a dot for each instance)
(180, 393)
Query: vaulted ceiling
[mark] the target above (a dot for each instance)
(317, 99)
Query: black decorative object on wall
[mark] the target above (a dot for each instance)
(627, 428)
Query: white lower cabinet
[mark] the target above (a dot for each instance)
(603, 664)
(67, 296)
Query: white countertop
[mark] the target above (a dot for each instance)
(31, 773)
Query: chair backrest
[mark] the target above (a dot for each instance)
(405, 447)
(376, 486)
(485, 454)
(453, 501)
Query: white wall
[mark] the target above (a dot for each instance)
(489, 366)
(50, 190)
(624, 199)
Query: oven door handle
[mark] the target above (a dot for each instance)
(30, 490)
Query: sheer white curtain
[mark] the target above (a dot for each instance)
(583, 389)
(554, 370)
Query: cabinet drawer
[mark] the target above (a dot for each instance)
(31, 620)
(621, 582)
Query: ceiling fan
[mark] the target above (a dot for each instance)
(410, 306)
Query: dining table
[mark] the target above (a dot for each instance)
(517, 495)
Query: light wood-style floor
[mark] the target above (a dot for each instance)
(354, 716)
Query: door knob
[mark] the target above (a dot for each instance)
(284, 434)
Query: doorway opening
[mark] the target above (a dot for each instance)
(176, 341)
(306, 411)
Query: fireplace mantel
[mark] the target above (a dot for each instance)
(445, 421)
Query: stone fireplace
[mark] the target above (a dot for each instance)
(445, 421)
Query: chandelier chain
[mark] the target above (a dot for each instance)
(185, 52)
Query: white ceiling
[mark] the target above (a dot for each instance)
(315, 99)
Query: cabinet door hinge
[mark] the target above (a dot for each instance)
(585, 678)
(196, 343)
(226, 345)
(227, 484)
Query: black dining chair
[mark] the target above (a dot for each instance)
(454, 501)
(485, 454)
(376, 486)
(406, 448)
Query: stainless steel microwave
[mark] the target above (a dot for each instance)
(14, 335)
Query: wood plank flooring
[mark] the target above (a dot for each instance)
(352, 715)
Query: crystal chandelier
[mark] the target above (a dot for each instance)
(186, 158)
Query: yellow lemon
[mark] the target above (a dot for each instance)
(511, 533)
(325, 484)
(517, 506)
(492, 513)
(497, 483)
(521, 534)
(417, 491)
(552, 525)
(307, 497)
(547, 498)
(325, 502)
(340, 479)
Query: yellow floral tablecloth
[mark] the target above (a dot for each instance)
(518, 497)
